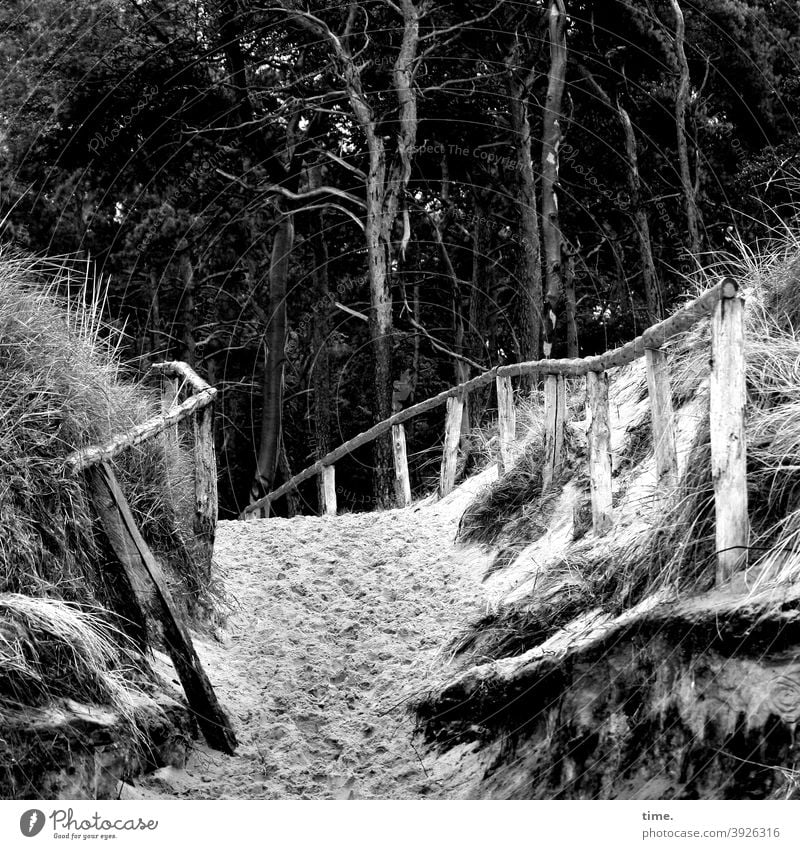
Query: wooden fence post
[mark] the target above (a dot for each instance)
(728, 446)
(329, 505)
(661, 421)
(507, 421)
(402, 482)
(205, 485)
(170, 390)
(145, 578)
(169, 398)
(452, 437)
(555, 405)
(599, 441)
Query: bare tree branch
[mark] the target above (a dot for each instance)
(338, 159)
(440, 346)
(280, 190)
(464, 25)
(354, 313)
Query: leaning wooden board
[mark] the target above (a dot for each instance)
(144, 571)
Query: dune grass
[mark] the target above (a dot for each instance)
(512, 510)
(673, 549)
(51, 649)
(66, 612)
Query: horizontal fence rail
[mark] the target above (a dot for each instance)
(652, 338)
(83, 458)
(721, 303)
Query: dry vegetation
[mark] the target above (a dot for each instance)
(613, 667)
(67, 629)
(655, 547)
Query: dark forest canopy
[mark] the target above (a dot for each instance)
(306, 201)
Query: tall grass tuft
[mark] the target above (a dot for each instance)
(62, 387)
(513, 508)
(679, 550)
(66, 611)
(672, 547)
(50, 650)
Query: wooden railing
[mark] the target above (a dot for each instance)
(727, 390)
(141, 568)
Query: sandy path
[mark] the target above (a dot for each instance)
(338, 621)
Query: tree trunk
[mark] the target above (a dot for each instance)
(551, 139)
(272, 396)
(385, 189)
(460, 368)
(570, 303)
(681, 103)
(159, 346)
(187, 301)
(292, 498)
(482, 313)
(481, 309)
(484, 307)
(323, 403)
(380, 319)
(652, 287)
(529, 316)
(415, 356)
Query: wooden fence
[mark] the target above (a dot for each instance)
(141, 568)
(727, 391)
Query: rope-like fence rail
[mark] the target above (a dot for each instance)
(140, 567)
(83, 458)
(727, 389)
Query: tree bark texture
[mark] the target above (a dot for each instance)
(551, 140)
(529, 310)
(652, 287)
(187, 302)
(681, 104)
(272, 394)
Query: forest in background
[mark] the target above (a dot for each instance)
(309, 202)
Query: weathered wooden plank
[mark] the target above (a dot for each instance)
(143, 599)
(170, 393)
(550, 421)
(402, 482)
(145, 576)
(205, 486)
(555, 406)
(661, 418)
(728, 444)
(507, 421)
(452, 438)
(170, 390)
(329, 505)
(599, 442)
